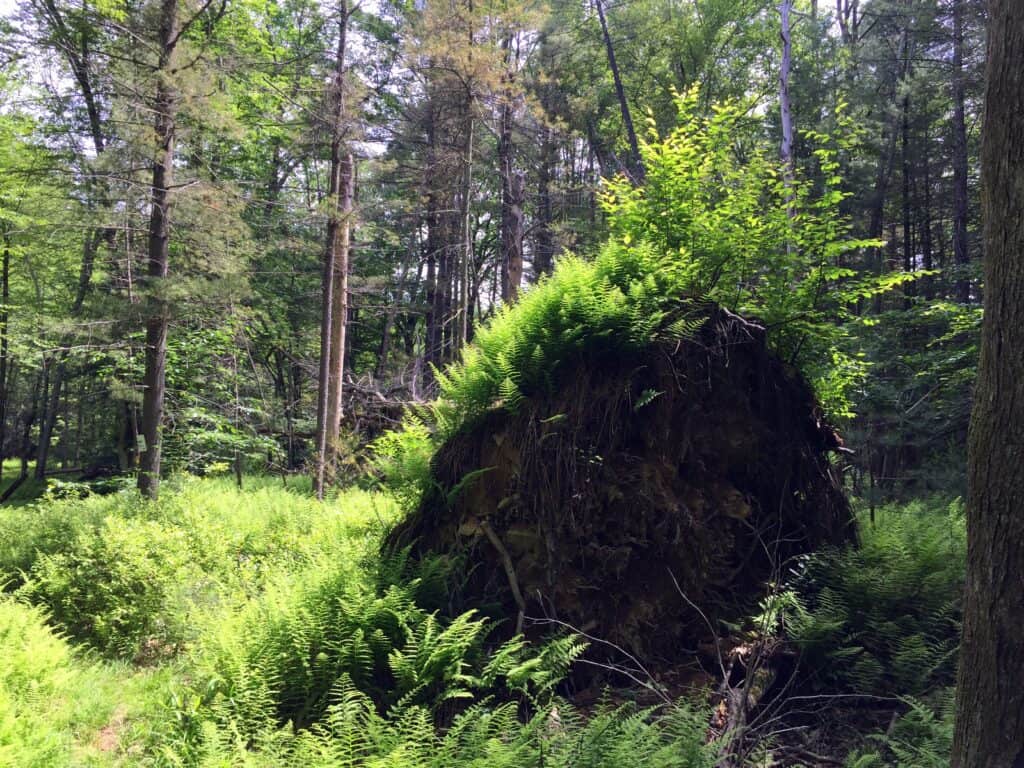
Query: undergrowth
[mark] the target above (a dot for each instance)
(879, 623)
(297, 645)
(58, 706)
(884, 617)
(263, 629)
(920, 738)
(130, 577)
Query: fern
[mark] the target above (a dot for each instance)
(884, 617)
(921, 738)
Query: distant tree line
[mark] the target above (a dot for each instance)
(242, 234)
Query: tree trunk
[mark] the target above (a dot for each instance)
(340, 234)
(465, 216)
(26, 438)
(55, 366)
(384, 349)
(927, 287)
(512, 189)
(323, 400)
(73, 43)
(908, 229)
(89, 249)
(544, 257)
(432, 331)
(335, 276)
(636, 166)
(785, 111)
(961, 255)
(882, 176)
(158, 253)
(5, 297)
(990, 693)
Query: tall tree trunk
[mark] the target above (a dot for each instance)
(785, 109)
(49, 420)
(886, 163)
(990, 691)
(908, 229)
(636, 166)
(512, 189)
(74, 44)
(961, 254)
(466, 223)
(544, 256)
(5, 298)
(342, 229)
(335, 277)
(384, 350)
(25, 450)
(433, 319)
(165, 105)
(51, 407)
(927, 285)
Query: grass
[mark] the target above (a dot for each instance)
(58, 705)
(28, 491)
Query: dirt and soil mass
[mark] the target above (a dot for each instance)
(651, 495)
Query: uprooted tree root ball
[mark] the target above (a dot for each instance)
(652, 494)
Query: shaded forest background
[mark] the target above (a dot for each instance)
(413, 167)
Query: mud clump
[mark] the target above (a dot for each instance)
(649, 496)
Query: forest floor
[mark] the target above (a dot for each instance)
(257, 627)
(28, 491)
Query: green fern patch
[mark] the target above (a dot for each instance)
(884, 617)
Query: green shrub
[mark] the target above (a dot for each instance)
(46, 527)
(309, 650)
(402, 458)
(128, 576)
(117, 587)
(884, 617)
(556, 736)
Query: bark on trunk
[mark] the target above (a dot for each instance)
(384, 350)
(74, 44)
(927, 286)
(465, 216)
(544, 258)
(432, 342)
(512, 188)
(335, 276)
(89, 250)
(50, 409)
(961, 255)
(990, 694)
(158, 252)
(26, 438)
(340, 233)
(908, 230)
(785, 110)
(5, 297)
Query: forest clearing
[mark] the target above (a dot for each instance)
(543, 384)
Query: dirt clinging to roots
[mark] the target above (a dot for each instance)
(651, 495)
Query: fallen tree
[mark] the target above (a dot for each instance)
(650, 493)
